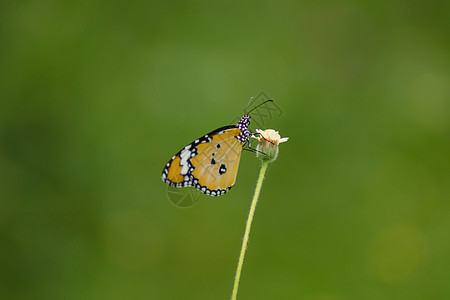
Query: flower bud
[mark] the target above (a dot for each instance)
(267, 148)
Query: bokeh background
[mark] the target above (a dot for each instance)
(96, 96)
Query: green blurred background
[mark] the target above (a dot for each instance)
(96, 96)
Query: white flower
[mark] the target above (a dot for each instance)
(270, 135)
(267, 148)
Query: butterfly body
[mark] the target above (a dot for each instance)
(210, 163)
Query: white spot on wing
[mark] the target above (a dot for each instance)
(184, 155)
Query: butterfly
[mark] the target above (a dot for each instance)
(211, 162)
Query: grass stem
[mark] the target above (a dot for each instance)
(248, 226)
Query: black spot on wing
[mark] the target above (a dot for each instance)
(222, 169)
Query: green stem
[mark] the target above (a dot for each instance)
(248, 227)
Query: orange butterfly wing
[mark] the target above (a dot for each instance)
(174, 171)
(209, 164)
(217, 162)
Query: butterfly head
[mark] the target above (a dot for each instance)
(243, 124)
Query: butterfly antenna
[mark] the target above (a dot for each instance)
(258, 106)
(248, 104)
